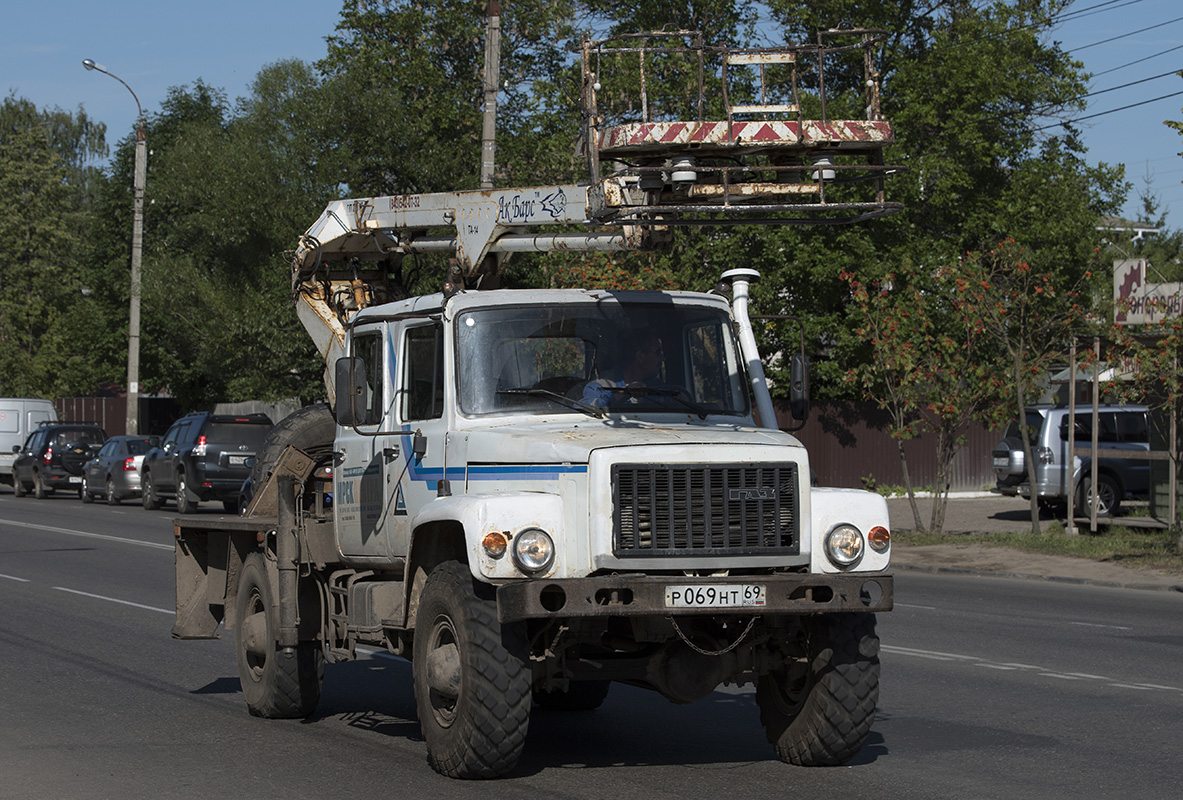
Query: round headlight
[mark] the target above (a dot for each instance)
(844, 545)
(533, 550)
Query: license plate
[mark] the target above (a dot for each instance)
(237, 461)
(75, 479)
(1002, 462)
(732, 595)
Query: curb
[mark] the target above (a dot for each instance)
(1029, 577)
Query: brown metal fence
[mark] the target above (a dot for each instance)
(848, 442)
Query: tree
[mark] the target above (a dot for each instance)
(1024, 313)
(919, 362)
(45, 185)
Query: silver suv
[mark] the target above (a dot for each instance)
(1118, 479)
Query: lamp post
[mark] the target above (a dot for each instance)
(137, 243)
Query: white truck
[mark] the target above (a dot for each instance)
(498, 493)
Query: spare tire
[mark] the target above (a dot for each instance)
(75, 456)
(311, 429)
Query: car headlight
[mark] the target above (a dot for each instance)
(844, 545)
(533, 550)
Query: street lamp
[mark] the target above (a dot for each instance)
(137, 243)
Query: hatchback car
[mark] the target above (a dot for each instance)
(114, 472)
(202, 457)
(52, 457)
(1118, 479)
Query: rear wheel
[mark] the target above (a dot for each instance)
(148, 496)
(472, 677)
(84, 493)
(112, 498)
(274, 684)
(818, 709)
(40, 490)
(185, 502)
(1108, 497)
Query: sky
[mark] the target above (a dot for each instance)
(157, 45)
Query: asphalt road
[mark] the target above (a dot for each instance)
(991, 688)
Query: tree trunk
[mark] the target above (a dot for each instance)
(908, 485)
(1025, 435)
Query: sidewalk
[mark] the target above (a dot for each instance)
(997, 514)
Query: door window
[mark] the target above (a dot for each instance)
(423, 373)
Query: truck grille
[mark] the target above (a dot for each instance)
(704, 510)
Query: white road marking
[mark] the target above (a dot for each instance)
(1095, 625)
(1043, 672)
(86, 534)
(116, 600)
(14, 578)
(909, 605)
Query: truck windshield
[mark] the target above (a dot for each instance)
(599, 359)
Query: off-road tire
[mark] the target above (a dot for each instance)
(311, 429)
(112, 498)
(274, 685)
(579, 696)
(85, 494)
(40, 490)
(148, 496)
(1108, 496)
(185, 502)
(478, 732)
(820, 713)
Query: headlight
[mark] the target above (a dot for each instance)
(533, 550)
(844, 545)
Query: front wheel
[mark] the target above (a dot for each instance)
(472, 677)
(275, 685)
(84, 493)
(18, 486)
(818, 709)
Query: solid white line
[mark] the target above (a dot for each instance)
(14, 578)
(115, 600)
(86, 534)
(1095, 625)
(909, 605)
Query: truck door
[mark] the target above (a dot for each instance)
(414, 481)
(358, 478)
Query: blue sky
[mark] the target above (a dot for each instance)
(156, 45)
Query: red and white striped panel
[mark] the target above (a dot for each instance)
(662, 135)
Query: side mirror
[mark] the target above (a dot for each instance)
(16, 448)
(350, 378)
(799, 387)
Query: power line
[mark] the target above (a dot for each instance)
(1110, 111)
(1126, 35)
(1127, 85)
(1139, 61)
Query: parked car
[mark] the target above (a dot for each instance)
(202, 457)
(1118, 479)
(53, 456)
(114, 472)
(19, 417)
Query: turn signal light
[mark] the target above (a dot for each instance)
(879, 539)
(495, 544)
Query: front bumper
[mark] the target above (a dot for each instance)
(632, 595)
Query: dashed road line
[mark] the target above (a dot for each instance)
(116, 600)
(86, 534)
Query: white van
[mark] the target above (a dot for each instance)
(19, 416)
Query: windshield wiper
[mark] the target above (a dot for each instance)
(578, 405)
(647, 391)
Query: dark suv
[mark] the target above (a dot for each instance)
(53, 456)
(203, 456)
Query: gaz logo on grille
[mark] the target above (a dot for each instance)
(752, 494)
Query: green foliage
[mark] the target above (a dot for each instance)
(46, 187)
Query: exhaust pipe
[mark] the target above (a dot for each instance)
(741, 280)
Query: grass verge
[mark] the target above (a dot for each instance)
(1131, 547)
